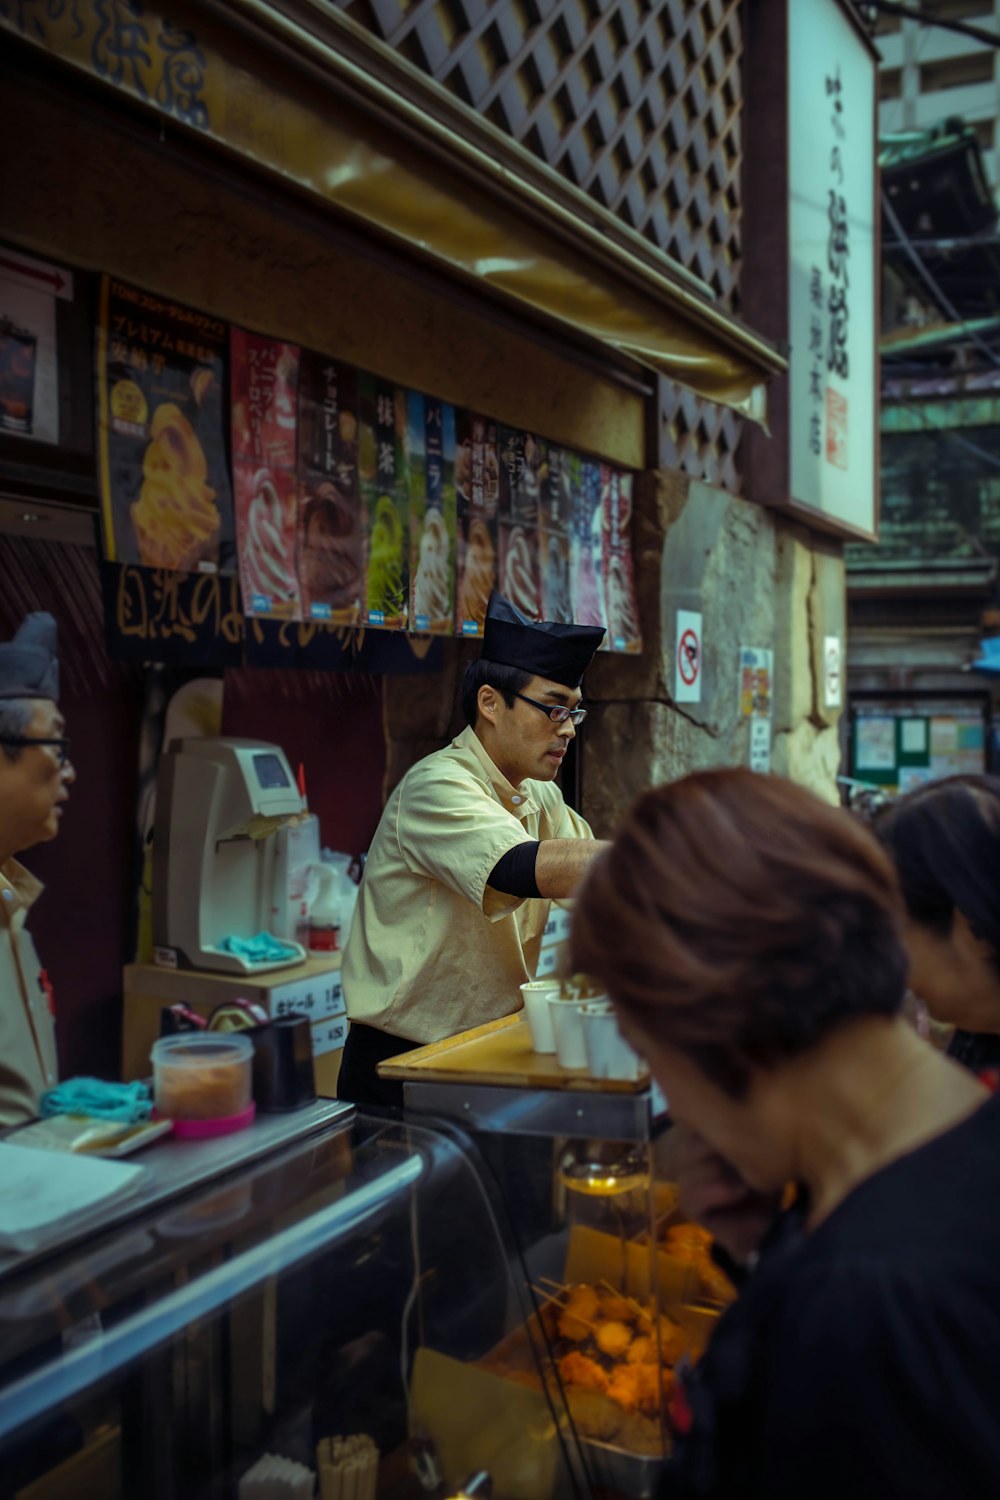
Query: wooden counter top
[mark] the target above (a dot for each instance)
(499, 1053)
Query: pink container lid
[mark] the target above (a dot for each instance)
(202, 1130)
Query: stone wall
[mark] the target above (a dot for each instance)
(758, 581)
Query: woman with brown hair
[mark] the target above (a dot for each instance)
(751, 938)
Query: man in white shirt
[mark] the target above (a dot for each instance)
(473, 846)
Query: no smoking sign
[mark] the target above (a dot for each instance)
(687, 674)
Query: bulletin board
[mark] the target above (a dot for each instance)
(900, 746)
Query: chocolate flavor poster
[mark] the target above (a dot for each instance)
(383, 476)
(163, 471)
(619, 578)
(265, 375)
(331, 541)
(520, 465)
(477, 483)
(431, 472)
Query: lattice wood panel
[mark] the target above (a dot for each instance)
(637, 102)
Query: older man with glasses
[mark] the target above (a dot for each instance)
(473, 846)
(35, 777)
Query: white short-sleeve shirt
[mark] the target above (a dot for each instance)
(433, 950)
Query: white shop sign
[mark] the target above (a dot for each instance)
(328, 1036)
(833, 401)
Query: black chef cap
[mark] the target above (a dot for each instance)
(562, 653)
(29, 667)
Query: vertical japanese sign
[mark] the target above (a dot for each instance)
(384, 419)
(265, 378)
(331, 536)
(586, 541)
(477, 480)
(832, 397)
(164, 480)
(520, 476)
(619, 580)
(432, 515)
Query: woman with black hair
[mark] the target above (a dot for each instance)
(944, 839)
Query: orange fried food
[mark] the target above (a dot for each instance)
(582, 1303)
(613, 1338)
(576, 1369)
(642, 1351)
(614, 1305)
(623, 1387)
(572, 1328)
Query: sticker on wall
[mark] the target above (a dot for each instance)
(164, 480)
(265, 377)
(833, 688)
(760, 745)
(688, 663)
(756, 671)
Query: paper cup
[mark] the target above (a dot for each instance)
(567, 1024)
(536, 994)
(608, 1054)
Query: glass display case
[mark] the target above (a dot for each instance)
(386, 1309)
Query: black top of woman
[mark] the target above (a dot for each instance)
(861, 1360)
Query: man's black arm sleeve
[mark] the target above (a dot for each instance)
(514, 872)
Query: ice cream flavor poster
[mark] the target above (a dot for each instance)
(164, 479)
(477, 482)
(554, 548)
(520, 465)
(619, 578)
(431, 465)
(331, 533)
(384, 437)
(586, 546)
(265, 378)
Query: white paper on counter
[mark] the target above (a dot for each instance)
(42, 1197)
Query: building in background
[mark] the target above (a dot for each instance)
(921, 603)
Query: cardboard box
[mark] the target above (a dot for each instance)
(312, 987)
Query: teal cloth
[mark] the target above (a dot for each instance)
(262, 949)
(92, 1096)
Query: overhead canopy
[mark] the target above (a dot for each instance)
(274, 88)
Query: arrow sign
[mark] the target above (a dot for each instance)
(36, 273)
(687, 676)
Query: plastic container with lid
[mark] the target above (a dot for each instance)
(204, 1077)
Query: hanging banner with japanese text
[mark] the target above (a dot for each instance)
(833, 401)
(431, 430)
(520, 465)
(265, 376)
(331, 535)
(163, 472)
(477, 481)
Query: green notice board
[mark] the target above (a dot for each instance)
(902, 749)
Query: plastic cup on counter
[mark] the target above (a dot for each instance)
(536, 994)
(567, 1023)
(608, 1053)
(202, 1081)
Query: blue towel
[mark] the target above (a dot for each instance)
(262, 949)
(92, 1096)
